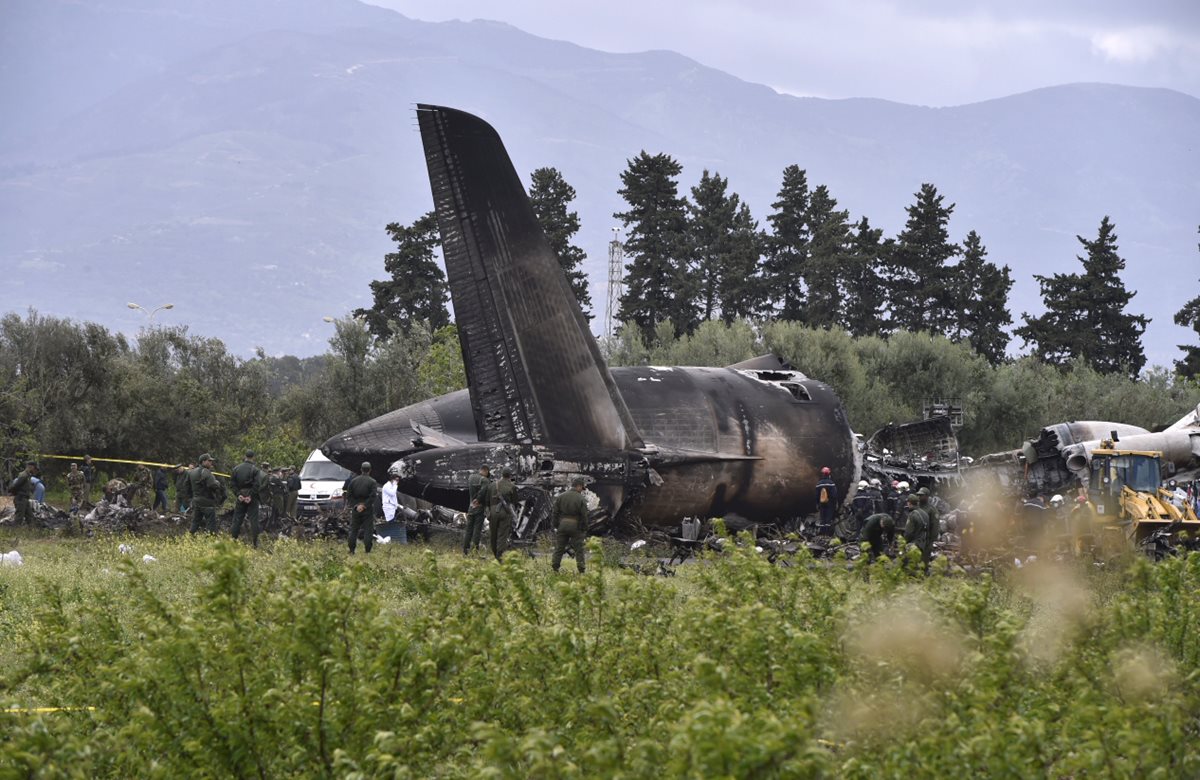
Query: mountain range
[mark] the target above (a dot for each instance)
(240, 158)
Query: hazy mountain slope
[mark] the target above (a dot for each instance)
(244, 163)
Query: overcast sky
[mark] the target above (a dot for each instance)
(912, 51)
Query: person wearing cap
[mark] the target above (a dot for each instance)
(827, 501)
(204, 493)
(570, 524)
(76, 485)
(501, 500)
(247, 481)
(931, 512)
(876, 528)
(21, 489)
(477, 485)
(360, 495)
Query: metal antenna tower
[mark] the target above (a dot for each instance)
(616, 286)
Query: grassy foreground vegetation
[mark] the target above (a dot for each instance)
(218, 661)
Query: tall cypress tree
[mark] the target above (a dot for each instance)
(658, 281)
(828, 252)
(742, 290)
(787, 245)
(724, 243)
(551, 197)
(920, 297)
(710, 230)
(1189, 317)
(863, 293)
(416, 287)
(1085, 313)
(980, 295)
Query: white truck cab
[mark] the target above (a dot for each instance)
(321, 483)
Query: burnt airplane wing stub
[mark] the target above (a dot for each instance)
(533, 369)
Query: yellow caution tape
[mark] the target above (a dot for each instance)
(40, 710)
(119, 460)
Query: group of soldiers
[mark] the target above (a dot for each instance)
(878, 510)
(496, 500)
(199, 493)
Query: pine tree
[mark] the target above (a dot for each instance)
(787, 246)
(742, 291)
(416, 287)
(659, 284)
(920, 298)
(864, 295)
(724, 243)
(551, 197)
(828, 252)
(1189, 317)
(980, 296)
(1085, 313)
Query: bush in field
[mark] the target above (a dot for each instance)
(417, 665)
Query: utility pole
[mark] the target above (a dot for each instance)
(616, 272)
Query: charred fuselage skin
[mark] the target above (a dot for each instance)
(718, 441)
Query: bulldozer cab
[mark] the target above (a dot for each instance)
(1115, 470)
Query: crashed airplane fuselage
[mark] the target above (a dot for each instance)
(654, 443)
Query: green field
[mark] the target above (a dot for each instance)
(297, 661)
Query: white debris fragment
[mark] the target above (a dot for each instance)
(12, 558)
(1017, 563)
(637, 544)
(757, 549)
(125, 549)
(382, 539)
(147, 558)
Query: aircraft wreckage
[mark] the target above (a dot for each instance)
(656, 444)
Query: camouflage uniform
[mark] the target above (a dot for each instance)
(77, 485)
(143, 485)
(917, 532)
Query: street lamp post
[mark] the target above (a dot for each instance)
(150, 314)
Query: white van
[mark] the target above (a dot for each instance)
(321, 483)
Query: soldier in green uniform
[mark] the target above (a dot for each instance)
(476, 494)
(501, 499)
(875, 527)
(930, 510)
(89, 476)
(77, 485)
(292, 483)
(247, 481)
(204, 493)
(570, 524)
(21, 489)
(360, 496)
(916, 529)
(278, 489)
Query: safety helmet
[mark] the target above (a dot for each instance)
(875, 482)
(1056, 500)
(903, 486)
(862, 483)
(825, 472)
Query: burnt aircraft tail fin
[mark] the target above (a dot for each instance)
(533, 368)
